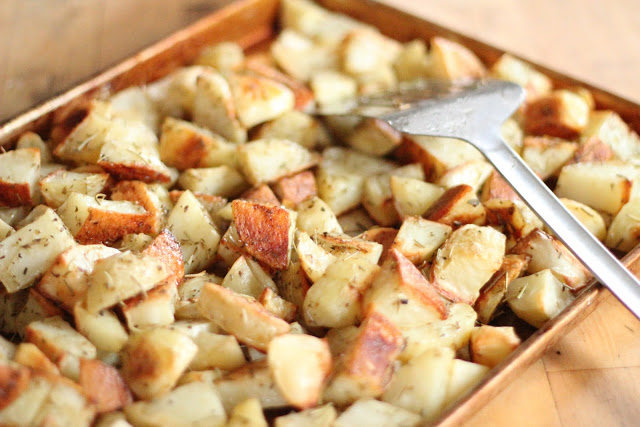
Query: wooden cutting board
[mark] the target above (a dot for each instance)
(592, 377)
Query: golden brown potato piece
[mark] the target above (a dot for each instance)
(365, 367)
(547, 252)
(489, 345)
(260, 194)
(302, 95)
(66, 281)
(93, 220)
(266, 231)
(103, 386)
(520, 72)
(56, 186)
(457, 206)
(19, 174)
(153, 360)
(561, 113)
(185, 145)
(241, 316)
(466, 261)
(14, 379)
(30, 355)
(300, 364)
(139, 193)
(295, 189)
(451, 60)
(545, 155)
(495, 187)
(493, 293)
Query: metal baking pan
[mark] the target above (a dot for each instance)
(252, 23)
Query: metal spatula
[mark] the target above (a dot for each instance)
(474, 112)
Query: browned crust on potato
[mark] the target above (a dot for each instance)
(302, 94)
(260, 194)
(493, 292)
(501, 213)
(103, 386)
(269, 299)
(409, 151)
(496, 187)
(544, 116)
(107, 227)
(413, 281)
(13, 381)
(134, 172)
(137, 192)
(383, 235)
(189, 151)
(67, 118)
(297, 188)
(264, 230)
(166, 248)
(592, 150)
(49, 308)
(370, 358)
(448, 209)
(13, 195)
(29, 355)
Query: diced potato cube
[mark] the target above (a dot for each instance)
(253, 380)
(493, 293)
(240, 316)
(214, 107)
(155, 307)
(224, 56)
(295, 126)
(267, 232)
(30, 355)
(421, 384)
(466, 261)
(613, 131)
(464, 377)
(135, 104)
(103, 386)
(334, 299)
(418, 238)
(185, 145)
(33, 140)
(296, 189)
(537, 298)
(218, 181)
(472, 173)
(217, 352)
(153, 360)
(267, 160)
(547, 252)
(602, 186)
(123, 276)
(590, 218)
(196, 403)
(103, 328)
(403, 295)
(413, 196)
(130, 151)
(19, 175)
(520, 72)
(313, 259)
(247, 277)
(561, 113)
(84, 132)
(453, 61)
(258, 99)
(57, 186)
(66, 281)
(193, 227)
(29, 252)
(365, 367)
(300, 364)
(61, 343)
(457, 206)
(316, 217)
(624, 231)
(490, 345)
(545, 156)
(412, 63)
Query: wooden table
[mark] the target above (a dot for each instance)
(592, 377)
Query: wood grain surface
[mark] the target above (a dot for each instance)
(592, 376)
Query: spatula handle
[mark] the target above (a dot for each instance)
(593, 254)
